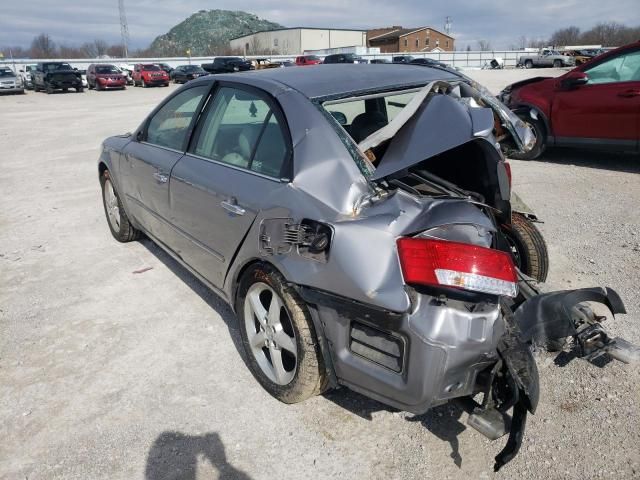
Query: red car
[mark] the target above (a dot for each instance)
(105, 76)
(308, 60)
(148, 74)
(594, 105)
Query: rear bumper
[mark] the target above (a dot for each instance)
(411, 361)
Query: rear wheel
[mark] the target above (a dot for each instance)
(528, 64)
(117, 218)
(540, 144)
(528, 248)
(49, 89)
(80, 89)
(557, 64)
(278, 336)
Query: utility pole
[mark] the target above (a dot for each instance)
(124, 29)
(447, 26)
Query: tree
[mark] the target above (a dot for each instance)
(468, 48)
(95, 49)
(484, 45)
(565, 36)
(43, 46)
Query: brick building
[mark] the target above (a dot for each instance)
(397, 39)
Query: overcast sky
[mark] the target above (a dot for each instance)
(72, 22)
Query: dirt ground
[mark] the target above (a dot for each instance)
(108, 373)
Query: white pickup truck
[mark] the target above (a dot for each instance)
(546, 57)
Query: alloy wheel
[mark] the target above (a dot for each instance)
(111, 205)
(270, 333)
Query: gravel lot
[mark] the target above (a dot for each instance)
(110, 373)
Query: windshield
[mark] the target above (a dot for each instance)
(151, 68)
(192, 69)
(106, 69)
(312, 57)
(6, 73)
(52, 67)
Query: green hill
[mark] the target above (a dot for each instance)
(208, 32)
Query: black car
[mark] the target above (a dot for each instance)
(379, 60)
(227, 65)
(402, 59)
(166, 68)
(184, 73)
(343, 58)
(429, 62)
(52, 76)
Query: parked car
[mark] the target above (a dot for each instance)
(26, 75)
(285, 63)
(51, 76)
(104, 76)
(379, 60)
(149, 75)
(10, 82)
(127, 71)
(546, 58)
(402, 59)
(343, 58)
(429, 62)
(166, 68)
(227, 65)
(184, 73)
(304, 60)
(262, 63)
(594, 105)
(384, 270)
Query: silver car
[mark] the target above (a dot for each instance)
(351, 216)
(10, 82)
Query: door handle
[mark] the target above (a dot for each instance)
(629, 93)
(232, 207)
(161, 177)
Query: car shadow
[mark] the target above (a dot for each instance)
(614, 161)
(205, 293)
(175, 456)
(444, 421)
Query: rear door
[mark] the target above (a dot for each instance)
(148, 160)
(234, 169)
(605, 111)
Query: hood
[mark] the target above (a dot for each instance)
(526, 82)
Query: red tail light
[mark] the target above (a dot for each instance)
(507, 167)
(443, 263)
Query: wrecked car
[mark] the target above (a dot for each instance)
(595, 105)
(351, 216)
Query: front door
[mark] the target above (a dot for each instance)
(605, 111)
(147, 161)
(233, 170)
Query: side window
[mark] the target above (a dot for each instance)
(170, 125)
(624, 68)
(241, 129)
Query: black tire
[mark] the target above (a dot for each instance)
(528, 247)
(89, 87)
(539, 146)
(309, 375)
(123, 231)
(36, 88)
(48, 89)
(65, 90)
(79, 89)
(557, 64)
(528, 64)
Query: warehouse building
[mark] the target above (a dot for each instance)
(293, 41)
(421, 39)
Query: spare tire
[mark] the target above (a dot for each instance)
(528, 247)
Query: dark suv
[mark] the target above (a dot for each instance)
(52, 76)
(343, 58)
(227, 65)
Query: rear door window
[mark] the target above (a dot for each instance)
(241, 129)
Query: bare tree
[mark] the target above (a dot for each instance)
(66, 51)
(43, 46)
(565, 36)
(484, 45)
(15, 52)
(255, 46)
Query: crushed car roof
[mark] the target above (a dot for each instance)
(337, 79)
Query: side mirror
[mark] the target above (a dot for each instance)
(21, 71)
(573, 80)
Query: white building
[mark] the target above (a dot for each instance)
(294, 41)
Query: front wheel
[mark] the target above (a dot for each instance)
(528, 248)
(540, 144)
(80, 89)
(278, 336)
(117, 218)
